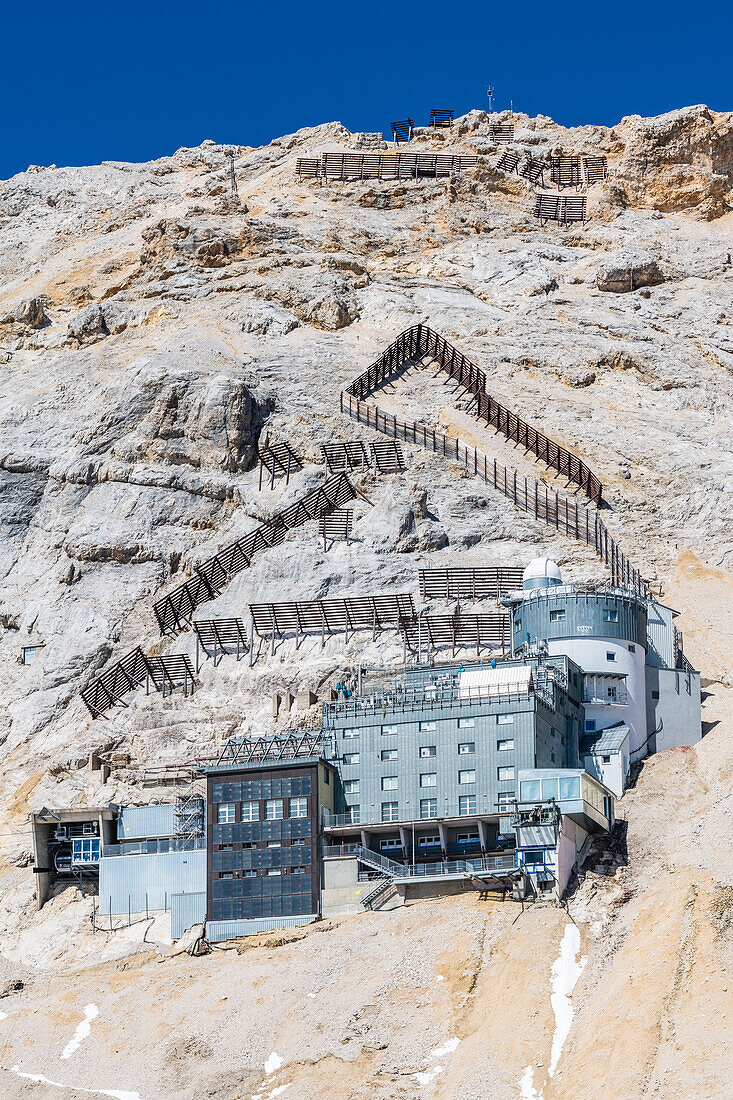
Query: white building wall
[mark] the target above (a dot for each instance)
(591, 655)
(611, 775)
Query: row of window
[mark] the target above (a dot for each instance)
(253, 859)
(427, 752)
(250, 811)
(430, 779)
(261, 788)
(609, 615)
(262, 886)
(431, 727)
(429, 808)
(245, 908)
(245, 832)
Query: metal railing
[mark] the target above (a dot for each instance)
(429, 699)
(154, 847)
(531, 496)
(504, 862)
(335, 850)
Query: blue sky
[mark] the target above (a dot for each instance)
(87, 82)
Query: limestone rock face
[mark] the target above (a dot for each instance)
(168, 327)
(679, 161)
(626, 271)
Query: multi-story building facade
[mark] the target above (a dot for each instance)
(264, 809)
(447, 741)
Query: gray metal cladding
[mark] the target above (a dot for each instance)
(219, 930)
(553, 613)
(661, 634)
(133, 883)
(186, 910)
(136, 822)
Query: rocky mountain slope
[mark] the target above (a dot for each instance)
(153, 329)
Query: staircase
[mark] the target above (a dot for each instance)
(389, 869)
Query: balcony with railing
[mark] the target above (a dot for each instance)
(605, 688)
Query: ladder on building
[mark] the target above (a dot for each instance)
(189, 816)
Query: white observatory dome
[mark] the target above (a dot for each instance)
(541, 573)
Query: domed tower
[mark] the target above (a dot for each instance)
(541, 573)
(604, 630)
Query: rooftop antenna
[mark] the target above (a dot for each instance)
(490, 94)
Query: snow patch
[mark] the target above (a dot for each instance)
(447, 1048)
(566, 970)
(277, 1091)
(116, 1094)
(440, 977)
(427, 1077)
(273, 1062)
(3, 1015)
(526, 1085)
(82, 1030)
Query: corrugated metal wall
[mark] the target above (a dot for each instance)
(186, 910)
(134, 883)
(219, 930)
(136, 822)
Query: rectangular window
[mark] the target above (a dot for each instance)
(549, 789)
(428, 779)
(389, 782)
(30, 652)
(225, 813)
(467, 777)
(632, 648)
(610, 615)
(466, 804)
(466, 747)
(569, 787)
(428, 842)
(427, 727)
(390, 811)
(428, 807)
(391, 845)
(610, 656)
(612, 693)
(388, 731)
(351, 786)
(426, 751)
(351, 732)
(506, 745)
(388, 754)
(590, 725)
(558, 616)
(505, 799)
(655, 695)
(273, 809)
(504, 774)
(466, 723)
(351, 758)
(606, 759)
(529, 790)
(274, 873)
(249, 811)
(353, 815)
(504, 719)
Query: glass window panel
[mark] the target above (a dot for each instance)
(530, 791)
(570, 787)
(549, 788)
